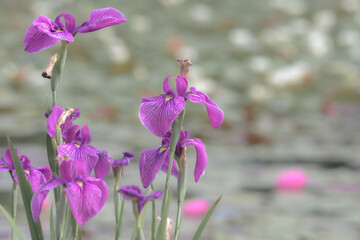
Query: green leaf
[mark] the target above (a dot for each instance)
(51, 154)
(12, 223)
(26, 193)
(202, 225)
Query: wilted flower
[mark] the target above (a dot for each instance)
(44, 32)
(158, 113)
(36, 176)
(86, 195)
(154, 159)
(134, 193)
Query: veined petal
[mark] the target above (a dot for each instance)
(86, 198)
(201, 157)
(45, 170)
(101, 18)
(216, 115)
(40, 196)
(131, 191)
(70, 169)
(53, 120)
(35, 177)
(158, 113)
(167, 89)
(43, 34)
(102, 167)
(70, 22)
(85, 154)
(151, 161)
(181, 85)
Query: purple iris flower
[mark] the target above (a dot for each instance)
(134, 193)
(125, 161)
(158, 113)
(154, 159)
(44, 32)
(36, 176)
(64, 119)
(86, 195)
(78, 148)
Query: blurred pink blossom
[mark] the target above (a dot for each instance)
(291, 180)
(196, 207)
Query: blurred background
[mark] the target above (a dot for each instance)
(285, 73)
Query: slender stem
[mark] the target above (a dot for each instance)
(176, 128)
(14, 194)
(181, 191)
(54, 96)
(153, 220)
(118, 209)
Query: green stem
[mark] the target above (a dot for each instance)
(176, 128)
(153, 220)
(118, 209)
(181, 192)
(14, 198)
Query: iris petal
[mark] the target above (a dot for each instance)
(216, 115)
(158, 113)
(101, 18)
(86, 198)
(151, 161)
(201, 157)
(40, 196)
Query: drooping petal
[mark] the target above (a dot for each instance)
(216, 115)
(40, 196)
(86, 198)
(181, 85)
(174, 170)
(101, 18)
(85, 154)
(201, 157)
(102, 167)
(70, 22)
(158, 113)
(151, 161)
(53, 120)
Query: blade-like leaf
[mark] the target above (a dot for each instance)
(26, 193)
(206, 219)
(12, 223)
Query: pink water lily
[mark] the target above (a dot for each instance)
(158, 113)
(44, 33)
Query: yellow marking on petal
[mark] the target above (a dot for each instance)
(162, 149)
(77, 145)
(26, 171)
(80, 184)
(168, 98)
